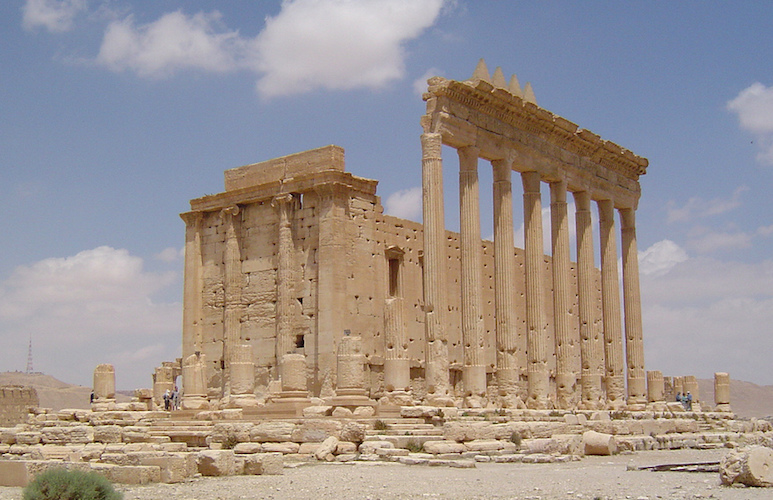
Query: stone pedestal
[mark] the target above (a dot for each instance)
(722, 392)
(294, 377)
(194, 383)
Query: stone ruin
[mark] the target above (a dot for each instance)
(316, 327)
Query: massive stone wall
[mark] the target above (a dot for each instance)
(15, 403)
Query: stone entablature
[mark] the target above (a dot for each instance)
(502, 124)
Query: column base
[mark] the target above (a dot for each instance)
(398, 398)
(242, 401)
(474, 379)
(723, 408)
(194, 402)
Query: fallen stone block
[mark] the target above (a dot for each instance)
(246, 448)
(174, 469)
(438, 447)
(272, 431)
(285, 448)
(596, 443)
(19, 473)
(129, 474)
(263, 463)
(216, 463)
(327, 448)
(370, 447)
(751, 467)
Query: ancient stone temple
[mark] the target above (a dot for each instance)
(294, 272)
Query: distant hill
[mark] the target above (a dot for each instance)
(747, 399)
(54, 393)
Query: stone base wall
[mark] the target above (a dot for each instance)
(15, 403)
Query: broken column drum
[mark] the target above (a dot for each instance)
(351, 367)
(104, 382)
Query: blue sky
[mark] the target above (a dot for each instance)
(115, 113)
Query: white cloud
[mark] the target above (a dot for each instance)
(173, 42)
(170, 254)
(754, 107)
(706, 315)
(660, 258)
(338, 44)
(87, 309)
(697, 207)
(406, 204)
(420, 84)
(703, 240)
(55, 15)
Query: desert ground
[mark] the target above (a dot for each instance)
(590, 478)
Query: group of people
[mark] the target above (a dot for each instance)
(686, 400)
(172, 399)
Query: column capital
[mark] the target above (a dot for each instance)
(282, 199)
(558, 191)
(191, 218)
(231, 211)
(468, 158)
(531, 181)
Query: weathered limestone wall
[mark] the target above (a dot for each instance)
(15, 403)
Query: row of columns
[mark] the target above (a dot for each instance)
(598, 366)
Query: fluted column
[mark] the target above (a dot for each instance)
(634, 342)
(192, 284)
(536, 327)
(232, 287)
(610, 302)
(591, 345)
(397, 365)
(508, 375)
(436, 368)
(474, 371)
(284, 204)
(566, 378)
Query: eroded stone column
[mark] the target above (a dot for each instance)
(163, 380)
(691, 388)
(474, 370)
(507, 336)
(436, 368)
(232, 288)
(294, 376)
(566, 378)
(656, 390)
(679, 386)
(242, 377)
(285, 204)
(192, 286)
(722, 392)
(536, 327)
(591, 345)
(634, 342)
(397, 365)
(104, 382)
(351, 367)
(194, 383)
(610, 302)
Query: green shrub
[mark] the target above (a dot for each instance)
(515, 438)
(379, 425)
(62, 484)
(414, 446)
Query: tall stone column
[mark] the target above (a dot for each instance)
(566, 378)
(232, 288)
(192, 287)
(474, 371)
(536, 327)
(436, 368)
(507, 337)
(334, 243)
(591, 346)
(610, 303)
(634, 342)
(285, 204)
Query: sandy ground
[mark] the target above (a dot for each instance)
(590, 478)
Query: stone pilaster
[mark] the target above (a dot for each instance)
(334, 245)
(591, 345)
(610, 302)
(285, 205)
(634, 342)
(536, 327)
(232, 287)
(192, 285)
(436, 349)
(474, 371)
(507, 336)
(566, 378)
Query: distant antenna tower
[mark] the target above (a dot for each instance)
(29, 357)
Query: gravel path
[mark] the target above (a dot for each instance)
(590, 478)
